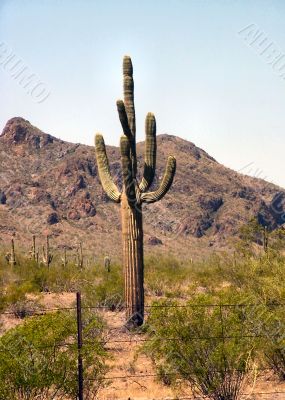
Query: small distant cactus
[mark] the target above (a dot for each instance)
(265, 239)
(64, 258)
(34, 255)
(134, 193)
(47, 256)
(107, 263)
(10, 257)
(79, 256)
(34, 248)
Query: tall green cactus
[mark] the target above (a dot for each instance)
(47, 256)
(33, 252)
(133, 193)
(13, 257)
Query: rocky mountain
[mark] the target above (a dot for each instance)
(48, 186)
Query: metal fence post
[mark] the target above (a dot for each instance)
(79, 346)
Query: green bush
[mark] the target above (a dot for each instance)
(39, 358)
(165, 276)
(105, 289)
(267, 322)
(203, 345)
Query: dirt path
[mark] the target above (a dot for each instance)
(128, 369)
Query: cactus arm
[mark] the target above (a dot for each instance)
(150, 153)
(165, 184)
(129, 93)
(127, 131)
(124, 119)
(128, 181)
(104, 170)
(126, 111)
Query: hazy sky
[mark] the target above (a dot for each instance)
(193, 69)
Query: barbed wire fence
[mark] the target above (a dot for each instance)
(138, 337)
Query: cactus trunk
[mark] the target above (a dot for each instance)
(132, 233)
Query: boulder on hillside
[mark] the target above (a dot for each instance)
(52, 218)
(154, 241)
(3, 197)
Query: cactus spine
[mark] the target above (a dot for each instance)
(133, 194)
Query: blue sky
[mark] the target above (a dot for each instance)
(192, 69)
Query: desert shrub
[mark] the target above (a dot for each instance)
(263, 276)
(15, 299)
(165, 276)
(43, 279)
(58, 279)
(202, 345)
(105, 289)
(99, 286)
(209, 274)
(266, 321)
(18, 291)
(25, 308)
(39, 358)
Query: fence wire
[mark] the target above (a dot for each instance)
(135, 339)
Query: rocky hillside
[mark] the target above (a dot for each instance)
(48, 186)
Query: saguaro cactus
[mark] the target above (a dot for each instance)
(33, 252)
(107, 263)
(12, 255)
(47, 256)
(79, 256)
(265, 239)
(64, 258)
(133, 193)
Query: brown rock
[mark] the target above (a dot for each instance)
(52, 218)
(154, 241)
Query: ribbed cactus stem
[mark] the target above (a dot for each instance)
(150, 153)
(124, 119)
(152, 197)
(129, 93)
(128, 180)
(132, 232)
(104, 170)
(133, 194)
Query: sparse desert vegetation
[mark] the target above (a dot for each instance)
(214, 328)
